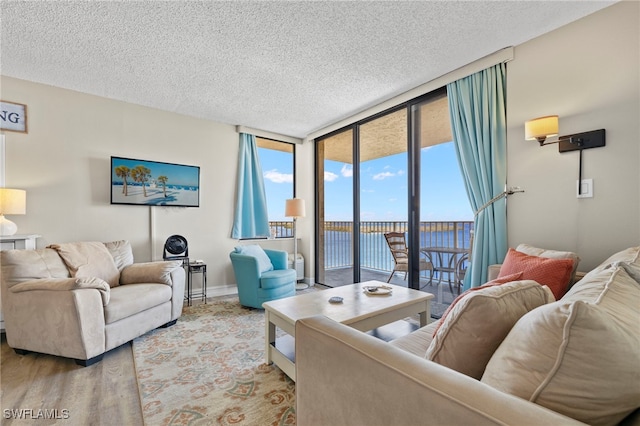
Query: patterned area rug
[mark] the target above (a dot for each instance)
(209, 369)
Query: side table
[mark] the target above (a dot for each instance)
(195, 268)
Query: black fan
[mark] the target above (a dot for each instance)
(176, 247)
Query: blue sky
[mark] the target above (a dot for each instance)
(383, 187)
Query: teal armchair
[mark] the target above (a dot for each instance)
(262, 278)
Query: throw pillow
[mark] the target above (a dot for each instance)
(89, 260)
(264, 263)
(479, 322)
(497, 281)
(578, 356)
(554, 273)
(552, 254)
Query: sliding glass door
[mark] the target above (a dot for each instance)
(393, 172)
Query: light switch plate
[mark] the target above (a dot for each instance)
(586, 191)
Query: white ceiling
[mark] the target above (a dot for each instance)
(284, 67)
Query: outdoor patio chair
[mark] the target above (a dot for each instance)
(463, 264)
(398, 246)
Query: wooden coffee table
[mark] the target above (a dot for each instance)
(359, 310)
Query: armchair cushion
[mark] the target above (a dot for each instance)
(89, 259)
(121, 252)
(127, 300)
(149, 272)
(264, 263)
(277, 278)
(65, 284)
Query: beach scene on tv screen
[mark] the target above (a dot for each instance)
(153, 183)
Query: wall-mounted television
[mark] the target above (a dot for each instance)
(153, 183)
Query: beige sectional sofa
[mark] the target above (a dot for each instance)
(531, 361)
(80, 300)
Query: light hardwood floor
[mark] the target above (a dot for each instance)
(105, 393)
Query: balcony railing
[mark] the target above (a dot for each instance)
(374, 252)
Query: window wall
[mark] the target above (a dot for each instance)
(278, 165)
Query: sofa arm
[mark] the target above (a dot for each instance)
(65, 284)
(493, 271)
(49, 316)
(344, 376)
(278, 258)
(150, 272)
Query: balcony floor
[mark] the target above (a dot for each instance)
(444, 296)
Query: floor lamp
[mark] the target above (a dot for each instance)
(295, 208)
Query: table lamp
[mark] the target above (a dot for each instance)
(12, 201)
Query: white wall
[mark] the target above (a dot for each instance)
(64, 164)
(588, 73)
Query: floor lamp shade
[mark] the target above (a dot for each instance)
(294, 208)
(12, 201)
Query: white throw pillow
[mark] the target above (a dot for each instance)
(479, 321)
(580, 355)
(264, 263)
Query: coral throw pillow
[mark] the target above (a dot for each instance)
(554, 273)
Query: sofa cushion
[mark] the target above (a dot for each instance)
(121, 252)
(130, 299)
(629, 257)
(416, 342)
(497, 281)
(479, 322)
(26, 265)
(264, 263)
(554, 273)
(580, 355)
(89, 259)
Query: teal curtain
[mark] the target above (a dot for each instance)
(251, 219)
(478, 116)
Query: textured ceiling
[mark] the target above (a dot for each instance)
(284, 67)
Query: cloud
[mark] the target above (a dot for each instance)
(330, 177)
(276, 177)
(346, 171)
(383, 175)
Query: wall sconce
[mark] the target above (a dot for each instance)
(543, 127)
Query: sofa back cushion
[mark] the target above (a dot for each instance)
(578, 356)
(89, 259)
(26, 265)
(479, 321)
(121, 252)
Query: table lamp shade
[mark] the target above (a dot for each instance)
(13, 201)
(294, 208)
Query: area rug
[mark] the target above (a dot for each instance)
(209, 369)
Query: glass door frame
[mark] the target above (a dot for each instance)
(413, 183)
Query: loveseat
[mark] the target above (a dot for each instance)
(513, 356)
(80, 300)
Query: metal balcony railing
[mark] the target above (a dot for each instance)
(374, 252)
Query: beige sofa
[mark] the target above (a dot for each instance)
(80, 300)
(572, 361)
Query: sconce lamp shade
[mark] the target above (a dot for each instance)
(12, 201)
(294, 208)
(541, 128)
